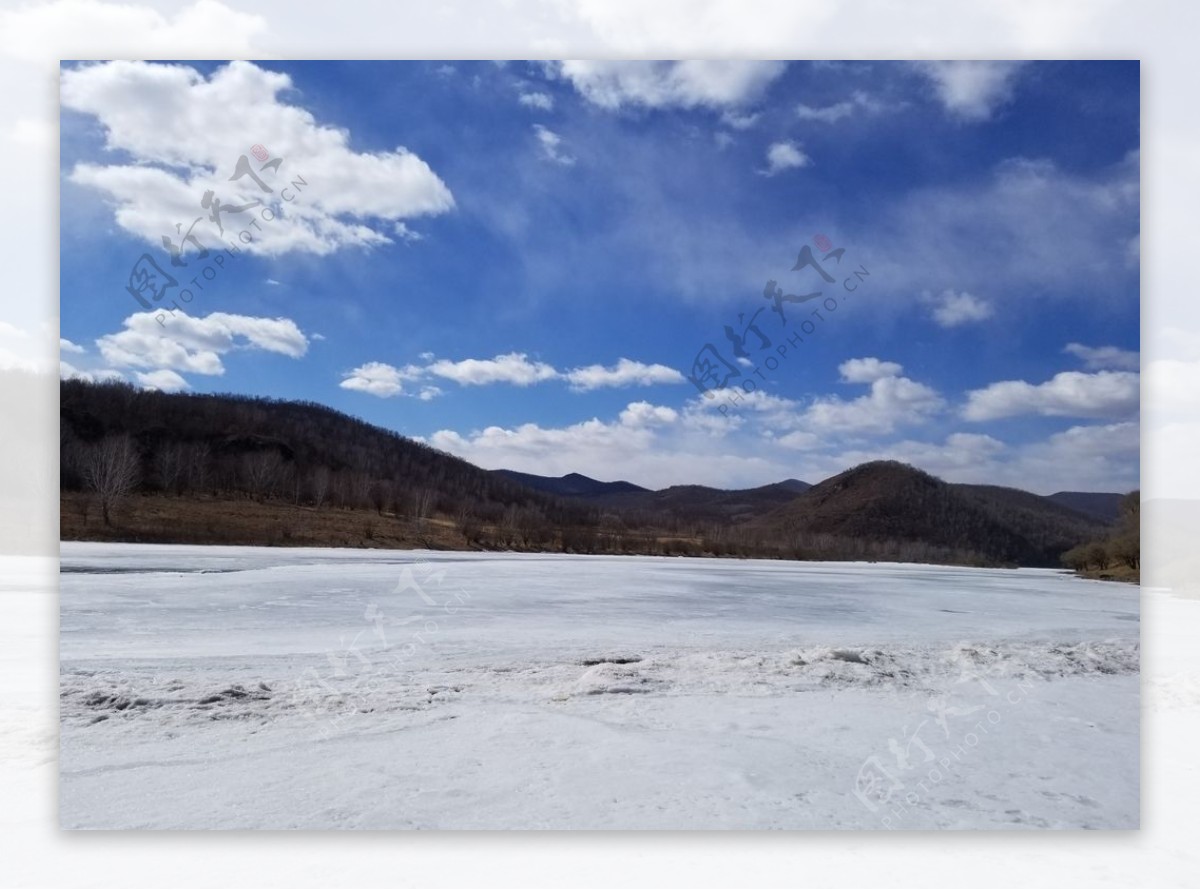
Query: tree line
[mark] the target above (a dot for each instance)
(117, 441)
(1121, 548)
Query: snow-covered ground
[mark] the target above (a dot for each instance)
(224, 687)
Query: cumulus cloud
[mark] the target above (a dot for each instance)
(689, 84)
(740, 120)
(625, 372)
(185, 133)
(514, 368)
(642, 414)
(377, 379)
(552, 146)
(971, 90)
(950, 309)
(1097, 358)
(892, 401)
(867, 370)
(540, 101)
(1103, 395)
(785, 156)
(67, 371)
(162, 380)
(831, 114)
(643, 444)
(196, 343)
(65, 345)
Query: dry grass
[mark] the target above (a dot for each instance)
(163, 519)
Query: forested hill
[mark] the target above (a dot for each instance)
(931, 519)
(264, 449)
(148, 466)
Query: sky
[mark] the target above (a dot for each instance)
(552, 266)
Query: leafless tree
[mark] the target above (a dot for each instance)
(197, 456)
(170, 467)
(422, 506)
(262, 471)
(111, 468)
(319, 486)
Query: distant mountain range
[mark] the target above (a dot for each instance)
(301, 473)
(887, 500)
(874, 502)
(1103, 505)
(572, 485)
(693, 502)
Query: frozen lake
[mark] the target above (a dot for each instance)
(229, 687)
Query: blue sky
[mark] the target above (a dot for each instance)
(520, 262)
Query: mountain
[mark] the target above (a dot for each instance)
(239, 470)
(699, 503)
(230, 446)
(573, 485)
(1102, 505)
(679, 503)
(896, 510)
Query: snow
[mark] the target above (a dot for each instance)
(228, 687)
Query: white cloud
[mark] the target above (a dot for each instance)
(950, 309)
(831, 114)
(551, 144)
(642, 414)
(688, 84)
(644, 445)
(785, 156)
(186, 132)
(540, 101)
(65, 345)
(196, 343)
(800, 440)
(67, 371)
(163, 380)
(971, 90)
(375, 378)
(1103, 395)
(892, 401)
(625, 372)
(1104, 357)
(739, 120)
(867, 370)
(72, 29)
(512, 368)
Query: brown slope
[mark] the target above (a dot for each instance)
(887, 501)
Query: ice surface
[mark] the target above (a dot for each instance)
(227, 687)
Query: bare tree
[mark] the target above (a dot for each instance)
(262, 470)
(170, 467)
(111, 468)
(319, 486)
(422, 506)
